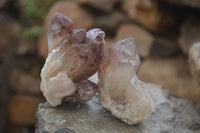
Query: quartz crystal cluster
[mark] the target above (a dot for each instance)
(120, 90)
(76, 54)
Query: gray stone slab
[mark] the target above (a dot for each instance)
(172, 115)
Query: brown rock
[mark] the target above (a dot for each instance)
(25, 82)
(190, 33)
(71, 9)
(19, 129)
(42, 46)
(147, 44)
(103, 5)
(194, 60)
(2, 3)
(111, 22)
(142, 38)
(9, 31)
(26, 47)
(22, 109)
(149, 14)
(173, 74)
(164, 47)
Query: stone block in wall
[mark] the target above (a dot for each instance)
(24, 82)
(22, 108)
(173, 74)
(190, 33)
(149, 14)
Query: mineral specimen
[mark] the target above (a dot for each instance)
(120, 90)
(74, 55)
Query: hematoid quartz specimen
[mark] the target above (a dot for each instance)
(76, 54)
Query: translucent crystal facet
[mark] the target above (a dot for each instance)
(74, 55)
(120, 90)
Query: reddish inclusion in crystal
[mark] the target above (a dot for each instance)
(74, 55)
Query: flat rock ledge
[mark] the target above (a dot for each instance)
(172, 114)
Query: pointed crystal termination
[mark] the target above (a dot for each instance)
(120, 90)
(74, 55)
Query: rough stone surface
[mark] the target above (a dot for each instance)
(173, 74)
(120, 90)
(190, 33)
(22, 109)
(80, 17)
(172, 114)
(149, 14)
(194, 60)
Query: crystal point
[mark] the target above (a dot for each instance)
(120, 90)
(86, 90)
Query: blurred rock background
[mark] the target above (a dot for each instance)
(164, 31)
